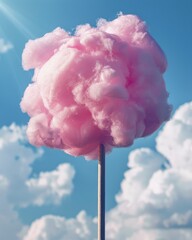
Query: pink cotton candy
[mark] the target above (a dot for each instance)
(102, 85)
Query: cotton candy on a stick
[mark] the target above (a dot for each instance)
(101, 85)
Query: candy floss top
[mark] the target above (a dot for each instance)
(100, 85)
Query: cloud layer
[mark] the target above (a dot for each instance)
(54, 227)
(155, 201)
(51, 187)
(17, 189)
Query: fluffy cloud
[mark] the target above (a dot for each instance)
(51, 187)
(142, 163)
(14, 168)
(17, 189)
(163, 234)
(5, 46)
(54, 227)
(175, 141)
(155, 201)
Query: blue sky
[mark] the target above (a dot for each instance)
(169, 22)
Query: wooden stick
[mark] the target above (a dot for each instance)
(101, 193)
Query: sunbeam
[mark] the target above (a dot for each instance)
(9, 41)
(15, 19)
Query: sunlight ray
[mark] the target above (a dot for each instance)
(15, 19)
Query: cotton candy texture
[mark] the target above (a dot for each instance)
(100, 85)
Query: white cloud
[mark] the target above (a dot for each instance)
(155, 197)
(5, 46)
(162, 234)
(15, 163)
(179, 219)
(155, 201)
(17, 189)
(54, 227)
(142, 163)
(175, 141)
(10, 224)
(16, 160)
(51, 187)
